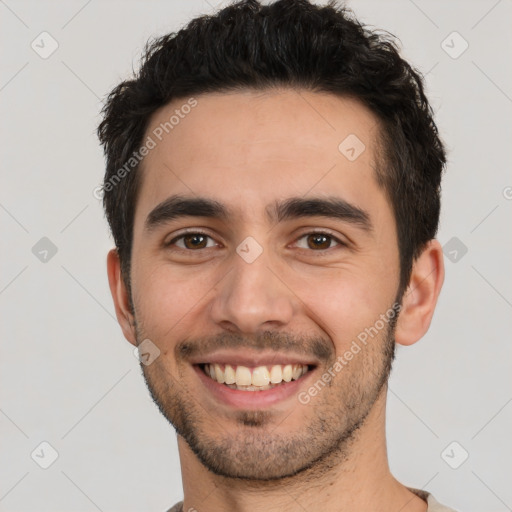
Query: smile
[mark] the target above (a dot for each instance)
(259, 378)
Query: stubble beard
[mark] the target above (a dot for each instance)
(253, 446)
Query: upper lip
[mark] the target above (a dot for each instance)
(246, 358)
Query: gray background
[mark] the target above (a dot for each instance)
(70, 379)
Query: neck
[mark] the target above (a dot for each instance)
(360, 480)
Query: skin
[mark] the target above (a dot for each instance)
(246, 150)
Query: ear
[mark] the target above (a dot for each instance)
(420, 298)
(120, 295)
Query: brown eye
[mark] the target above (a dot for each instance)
(195, 241)
(192, 241)
(317, 241)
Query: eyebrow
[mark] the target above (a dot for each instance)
(329, 207)
(178, 206)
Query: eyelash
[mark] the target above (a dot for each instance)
(202, 233)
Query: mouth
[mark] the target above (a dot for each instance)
(252, 387)
(258, 378)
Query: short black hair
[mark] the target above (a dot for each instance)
(294, 44)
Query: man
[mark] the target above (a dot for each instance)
(272, 185)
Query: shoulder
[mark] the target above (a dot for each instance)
(177, 508)
(432, 503)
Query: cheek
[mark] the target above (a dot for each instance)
(343, 305)
(166, 299)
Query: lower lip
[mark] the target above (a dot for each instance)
(251, 399)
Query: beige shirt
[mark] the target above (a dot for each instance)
(433, 504)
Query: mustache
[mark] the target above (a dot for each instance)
(315, 346)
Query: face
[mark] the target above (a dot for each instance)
(258, 242)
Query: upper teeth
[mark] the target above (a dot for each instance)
(258, 376)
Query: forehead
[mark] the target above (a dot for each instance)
(248, 148)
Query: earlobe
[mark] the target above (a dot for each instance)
(120, 296)
(420, 298)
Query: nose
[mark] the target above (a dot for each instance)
(252, 298)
